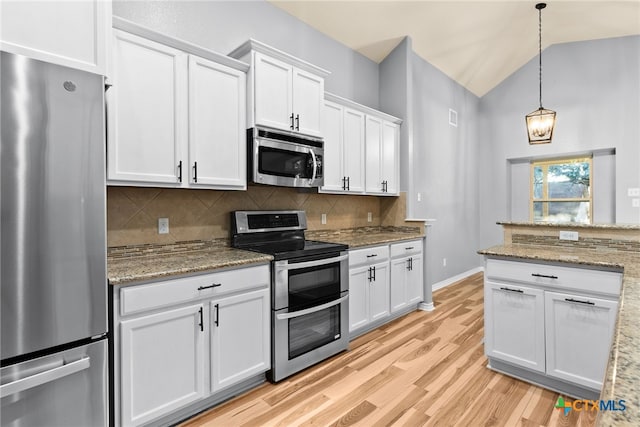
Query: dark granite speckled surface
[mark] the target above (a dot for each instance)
(366, 236)
(622, 379)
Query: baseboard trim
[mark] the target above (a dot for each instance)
(451, 280)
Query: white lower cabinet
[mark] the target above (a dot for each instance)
(162, 363)
(579, 333)
(239, 349)
(384, 282)
(554, 321)
(514, 329)
(180, 341)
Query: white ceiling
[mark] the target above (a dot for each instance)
(476, 43)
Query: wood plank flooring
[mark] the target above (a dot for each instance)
(424, 369)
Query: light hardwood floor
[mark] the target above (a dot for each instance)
(422, 369)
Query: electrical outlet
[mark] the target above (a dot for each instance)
(635, 203)
(569, 235)
(444, 262)
(633, 192)
(323, 218)
(369, 217)
(419, 197)
(163, 225)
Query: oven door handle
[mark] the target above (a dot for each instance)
(315, 164)
(306, 311)
(314, 263)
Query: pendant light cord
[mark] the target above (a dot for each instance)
(540, 53)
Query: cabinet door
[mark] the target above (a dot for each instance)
(162, 363)
(390, 139)
(373, 134)
(272, 92)
(514, 325)
(217, 147)
(398, 284)
(70, 33)
(146, 111)
(308, 97)
(240, 337)
(358, 297)
(353, 142)
(579, 333)
(379, 292)
(415, 281)
(332, 163)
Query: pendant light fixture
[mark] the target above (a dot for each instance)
(540, 123)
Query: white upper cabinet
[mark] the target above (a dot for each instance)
(175, 114)
(70, 33)
(146, 111)
(216, 124)
(343, 130)
(361, 147)
(285, 92)
(382, 148)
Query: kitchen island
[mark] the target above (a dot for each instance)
(608, 247)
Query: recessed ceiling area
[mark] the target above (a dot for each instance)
(476, 43)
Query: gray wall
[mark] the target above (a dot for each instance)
(595, 88)
(224, 25)
(445, 170)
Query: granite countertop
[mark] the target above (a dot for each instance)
(143, 263)
(366, 236)
(570, 225)
(622, 379)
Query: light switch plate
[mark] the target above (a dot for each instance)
(163, 225)
(635, 203)
(633, 192)
(569, 235)
(323, 218)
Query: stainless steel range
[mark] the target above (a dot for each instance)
(309, 292)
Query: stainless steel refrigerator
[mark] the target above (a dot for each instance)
(54, 368)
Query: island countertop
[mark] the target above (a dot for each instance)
(622, 378)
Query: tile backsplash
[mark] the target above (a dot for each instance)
(133, 212)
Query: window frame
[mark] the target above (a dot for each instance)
(545, 188)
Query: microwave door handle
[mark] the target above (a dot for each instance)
(311, 310)
(315, 164)
(315, 263)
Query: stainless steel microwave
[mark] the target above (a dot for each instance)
(284, 159)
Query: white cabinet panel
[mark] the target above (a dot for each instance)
(273, 92)
(579, 333)
(146, 110)
(406, 275)
(379, 292)
(353, 142)
(514, 325)
(308, 96)
(217, 148)
(358, 297)
(390, 152)
(70, 33)
(162, 363)
(333, 164)
(240, 341)
(373, 178)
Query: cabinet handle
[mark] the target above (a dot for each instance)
(409, 248)
(384, 186)
(371, 256)
(217, 306)
(180, 171)
(297, 121)
(409, 264)
(348, 183)
(374, 273)
(580, 302)
(201, 324)
(291, 118)
(369, 272)
(215, 285)
(344, 182)
(520, 291)
(195, 171)
(544, 275)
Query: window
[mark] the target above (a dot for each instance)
(561, 190)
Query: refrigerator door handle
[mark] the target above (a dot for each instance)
(44, 377)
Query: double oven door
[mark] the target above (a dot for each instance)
(310, 312)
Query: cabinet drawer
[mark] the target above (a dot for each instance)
(369, 255)
(140, 298)
(411, 247)
(554, 276)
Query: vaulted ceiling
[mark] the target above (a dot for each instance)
(476, 43)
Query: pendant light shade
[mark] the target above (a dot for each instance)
(540, 123)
